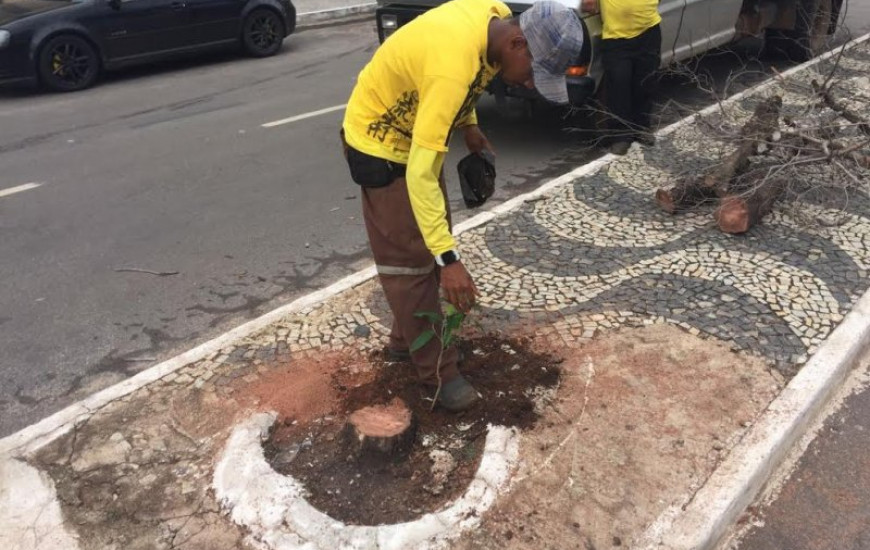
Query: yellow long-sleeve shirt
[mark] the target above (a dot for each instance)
(628, 18)
(421, 84)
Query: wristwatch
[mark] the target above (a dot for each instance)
(449, 257)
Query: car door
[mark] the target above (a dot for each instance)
(215, 21)
(135, 28)
(723, 20)
(687, 27)
(671, 12)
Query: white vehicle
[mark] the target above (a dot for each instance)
(689, 28)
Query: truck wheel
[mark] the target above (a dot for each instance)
(811, 32)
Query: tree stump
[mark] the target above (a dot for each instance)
(381, 431)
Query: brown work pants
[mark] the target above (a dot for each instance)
(408, 275)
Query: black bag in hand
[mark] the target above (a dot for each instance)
(477, 178)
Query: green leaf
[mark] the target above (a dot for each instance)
(449, 340)
(430, 316)
(454, 321)
(450, 309)
(422, 340)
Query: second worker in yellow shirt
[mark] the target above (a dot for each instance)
(420, 86)
(631, 53)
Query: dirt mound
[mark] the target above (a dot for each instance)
(300, 391)
(515, 383)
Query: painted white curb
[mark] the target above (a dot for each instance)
(702, 523)
(274, 509)
(310, 18)
(30, 515)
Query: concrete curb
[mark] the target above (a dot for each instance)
(275, 511)
(323, 17)
(703, 521)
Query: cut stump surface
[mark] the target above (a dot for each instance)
(381, 430)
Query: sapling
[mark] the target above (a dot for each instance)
(445, 330)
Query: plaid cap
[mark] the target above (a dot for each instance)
(555, 37)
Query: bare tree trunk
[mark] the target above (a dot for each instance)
(758, 130)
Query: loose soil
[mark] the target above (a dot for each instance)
(515, 381)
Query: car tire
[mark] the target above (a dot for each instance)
(262, 33)
(810, 36)
(68, 63)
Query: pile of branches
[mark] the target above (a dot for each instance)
(823, 151)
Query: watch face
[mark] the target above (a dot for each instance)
(447, 258)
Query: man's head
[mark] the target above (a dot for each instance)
(540, 46)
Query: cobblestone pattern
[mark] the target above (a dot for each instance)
(599, 255)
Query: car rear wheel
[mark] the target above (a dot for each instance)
(68, 63)
(262, 33)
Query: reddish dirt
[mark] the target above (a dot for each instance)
(300, 391)
(372, 492)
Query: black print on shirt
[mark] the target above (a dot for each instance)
(477, 86)
(397, 117)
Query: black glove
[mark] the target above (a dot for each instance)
(477, 178)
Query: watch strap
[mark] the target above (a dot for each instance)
(447, 258)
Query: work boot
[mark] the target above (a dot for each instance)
(457, 395)
(394, 355)
(620, 148)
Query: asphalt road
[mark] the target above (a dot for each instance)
(824, 503)
(169, 169)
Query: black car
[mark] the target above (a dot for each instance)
(65, 44)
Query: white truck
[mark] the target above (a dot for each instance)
(689, 28)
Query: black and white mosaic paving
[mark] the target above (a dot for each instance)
(597, 254)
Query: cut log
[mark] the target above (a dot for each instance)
(683, 196)
(758, 130)
(381, 431)
(738, 213)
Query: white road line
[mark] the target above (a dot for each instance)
(18, 189)
(304, 116)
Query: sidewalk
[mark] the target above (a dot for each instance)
(635, 350)
(313, 12)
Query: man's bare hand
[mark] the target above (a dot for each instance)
(458, 287)
(589, 6)
(476, 140)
